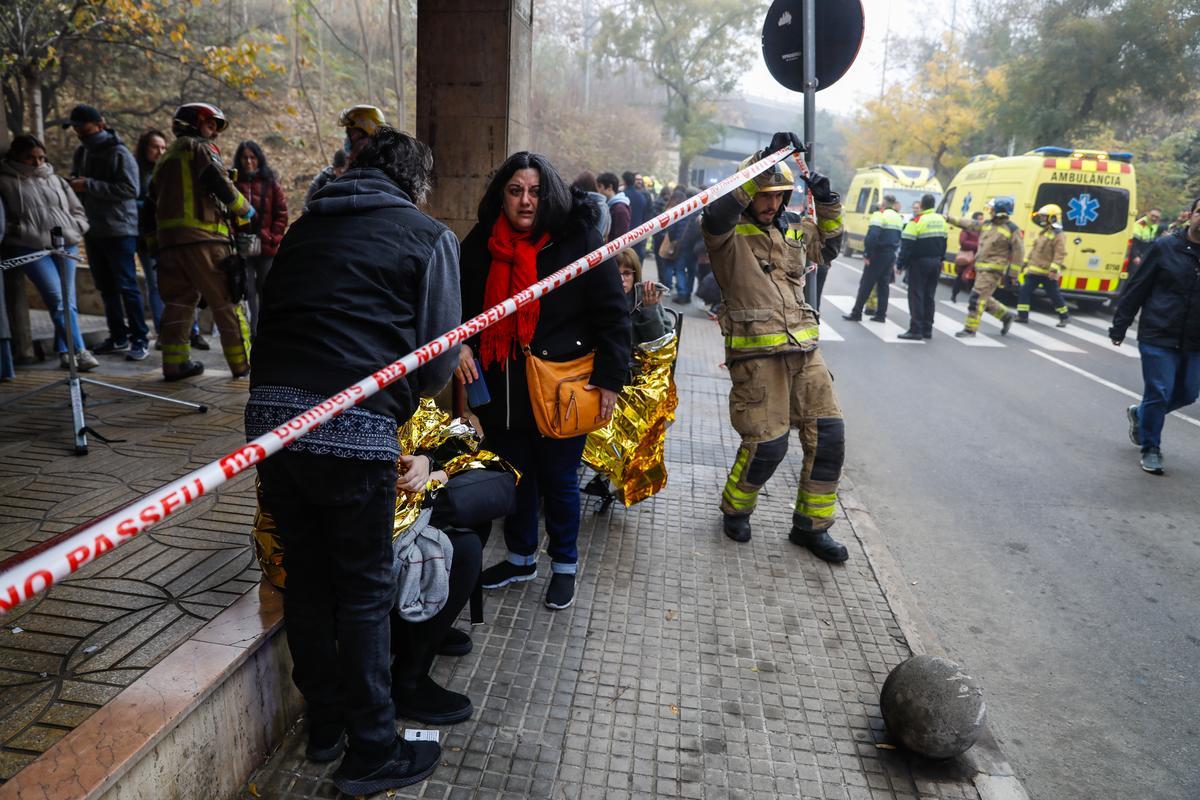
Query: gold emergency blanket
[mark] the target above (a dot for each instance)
(429, 430)
(629, 450)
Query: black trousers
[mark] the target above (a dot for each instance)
(464, 574)
(877, 275)
(335, 518)
(922, 293)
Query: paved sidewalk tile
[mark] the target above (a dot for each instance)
(689, 666)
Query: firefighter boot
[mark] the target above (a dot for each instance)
(1006, 323)
(737, 527)
(188, 369)
(822, 545)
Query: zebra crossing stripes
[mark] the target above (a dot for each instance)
(1033, 337)
(887, 331)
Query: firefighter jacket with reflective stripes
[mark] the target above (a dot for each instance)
(1048, 252)
(883, 231)
(999, 243)
(923, 237)
(760, 270)
(191, 197)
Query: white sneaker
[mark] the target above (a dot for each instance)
(85, 361)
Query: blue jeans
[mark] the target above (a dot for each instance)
(549, 475)
(45, 276)
(667, 274)
(150, 270)
(685, 275)
(335, 518)
(1172, 381)
(115, 274)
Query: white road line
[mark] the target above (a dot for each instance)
(1094, 323)
(828, 334)
(887, 331)
(1088, 336)
(951, 326)
(846, 264)
(1108, 384)
(1021, 332)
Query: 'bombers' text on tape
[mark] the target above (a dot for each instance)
(35, 570)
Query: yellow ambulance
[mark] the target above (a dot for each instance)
(1097, 192)
(867, 188)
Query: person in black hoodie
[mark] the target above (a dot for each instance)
(360, 280)
(1166, 290)
(105, 176)
(530, 225)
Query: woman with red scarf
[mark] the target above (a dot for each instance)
(531, 225)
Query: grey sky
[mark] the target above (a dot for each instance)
(861, 83)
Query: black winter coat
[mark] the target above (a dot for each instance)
(110, 199)
(1166, 289)
(584, 315)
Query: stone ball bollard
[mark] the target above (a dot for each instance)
(933, 707)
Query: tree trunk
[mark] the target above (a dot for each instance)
(396, 33)
(685, 168)
(37, 115)
(366, 47)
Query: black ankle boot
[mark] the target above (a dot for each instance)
(456, 643)
(417, 696)
(737, 527)
(822, 545)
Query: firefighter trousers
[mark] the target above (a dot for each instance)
(986, 283)
(185, 274)
(1050, 285)
(770, 396)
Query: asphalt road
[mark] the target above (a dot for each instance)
(1047, 562)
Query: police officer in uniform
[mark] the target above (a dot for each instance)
(191, 201)
(1000, 253)
(779, 379)
(1046, 257)
(922, 249)
(879, 253)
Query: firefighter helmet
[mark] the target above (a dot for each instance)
(780, 178)
(367, 119)
(1002, 206)
(188, 117)
(1051, 211)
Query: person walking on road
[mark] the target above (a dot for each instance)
(879, 259)
(1046, 257)
(333, 493)
(191, 200)
(1166, 291)
(105, 176)
(922, 250)
(779, 379)
(1000, 253)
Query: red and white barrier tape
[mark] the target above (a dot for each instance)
(35, 570)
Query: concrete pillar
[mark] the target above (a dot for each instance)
(473, 80)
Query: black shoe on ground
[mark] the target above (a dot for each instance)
(1152, 460)
(190, 369)
(108, 347)
(852, 317)
(325, 743)
(560, 593)
(877, 318)
(737, 527)
(199, 342)
(1022, 320)
(432, 704)
(506, 572)
(822, 545)
(1135, 425)
(457, 643)
(409, 763)
(910, 336)
(1006, 323)
(1062, 322)
(964, 334)
(926, 335)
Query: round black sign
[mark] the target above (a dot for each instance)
(839, 37)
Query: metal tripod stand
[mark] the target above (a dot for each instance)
(73, 382)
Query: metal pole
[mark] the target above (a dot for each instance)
(810, 104)
(74, 390)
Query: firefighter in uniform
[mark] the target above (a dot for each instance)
(1145, 230)
(191, 200)
(922, 250)
(1000, 254)
(879, 254)
(779, 378)
(1046, 256)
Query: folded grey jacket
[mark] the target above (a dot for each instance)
(421, 565)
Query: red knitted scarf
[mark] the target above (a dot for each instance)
(514, 268)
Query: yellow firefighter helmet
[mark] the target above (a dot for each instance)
(366, 118)
(1051, 211)
(780, 176)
